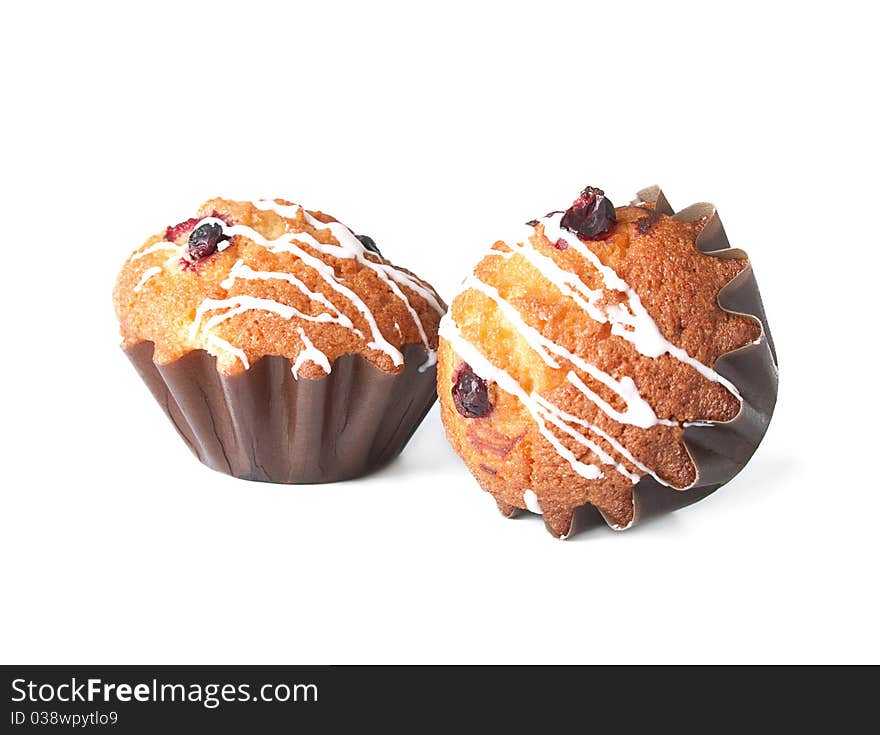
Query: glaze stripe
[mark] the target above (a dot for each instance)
(618, 447)
(146, 276)
(245, 272)
(354, 248)
(309, 352)
(227, 347)
(634, 324)
(531, 501)
(603, 456)
(285, 244)
(350, 247)
(485, 369)
(235, 305)
(155, 247)
(638, 410)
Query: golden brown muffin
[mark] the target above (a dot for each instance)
(271, 278)
(282, 346)
(572, 360)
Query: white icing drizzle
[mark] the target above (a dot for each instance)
(634, 324)
(644, 414)
(568, 283)
(603, 456)
(539, 410)
(243, 271)
(429, 362)
(146, 276)
(531, 501)
(618, 447)
(235, 305)
(227, 348)
(309, 352)
(638, 411)
(155, 247)
(350, 247)
(288, 211)
(285, 244)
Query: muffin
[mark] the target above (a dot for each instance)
(282, 346)
(590, 364)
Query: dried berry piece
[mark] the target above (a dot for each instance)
(203, 241)
(532, 222)
(591, 215)
(470, 393)
(369, 244)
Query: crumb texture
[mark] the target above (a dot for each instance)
(242, 280)
(592, 355)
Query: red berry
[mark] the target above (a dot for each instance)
(591, 215)
(470, 393)
(203, 241)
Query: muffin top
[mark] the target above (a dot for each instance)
(242, 280)
(574, 358)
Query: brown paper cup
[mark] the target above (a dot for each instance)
(721, 450)
(264, 425)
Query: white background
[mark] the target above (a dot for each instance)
(436, 129)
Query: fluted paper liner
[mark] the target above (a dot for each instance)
(263, 424)
(721, 450)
